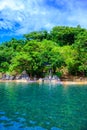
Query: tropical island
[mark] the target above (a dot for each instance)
(61, 52)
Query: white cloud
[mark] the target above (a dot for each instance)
(11, 4)
(37, 14)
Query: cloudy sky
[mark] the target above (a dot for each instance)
(18, 17)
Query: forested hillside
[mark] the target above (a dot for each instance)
(63, 50)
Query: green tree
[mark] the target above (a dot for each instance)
(64, 35)
(39, 36)
(51, 56)
(81, 46)
(70, 58)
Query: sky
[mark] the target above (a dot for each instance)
(18, 17)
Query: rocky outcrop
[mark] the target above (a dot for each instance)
(49, 78)
(7, 77)
(54, 77)
(25, 77)
(22, 76)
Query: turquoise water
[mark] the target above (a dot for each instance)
(33, 106)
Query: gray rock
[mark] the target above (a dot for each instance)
(3, 76)
(55, 78)
(18, 77)
(23, 76)
(12, 77)
(6, 77)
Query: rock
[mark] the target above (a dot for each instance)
(24, 75)
(6, 77)
(46, 78)
(12, 77)
(55, 78)
(3, 77)
(40, 80)
(35, 78)
(52, 79)
(18, 77)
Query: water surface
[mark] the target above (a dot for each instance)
(33, 106)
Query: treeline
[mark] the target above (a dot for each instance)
(63, 50)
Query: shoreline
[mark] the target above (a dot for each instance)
(83, 82)
(74, 82)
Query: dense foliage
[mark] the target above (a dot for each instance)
(63, 50)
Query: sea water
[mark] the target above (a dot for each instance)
(33, 106)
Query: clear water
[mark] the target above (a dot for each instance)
(43, 107)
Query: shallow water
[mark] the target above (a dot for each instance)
(33, 106)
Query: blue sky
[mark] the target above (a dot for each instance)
(18, 17)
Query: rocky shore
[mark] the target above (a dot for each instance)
(53, 82)
(24, 77)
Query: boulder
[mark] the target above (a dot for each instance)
(18, 77)
(24, 75)
(6, 77)
(12, 77)
(3, 76)
(55, 78)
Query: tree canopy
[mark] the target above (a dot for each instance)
(61, 48)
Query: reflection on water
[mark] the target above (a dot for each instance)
(42, 107)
